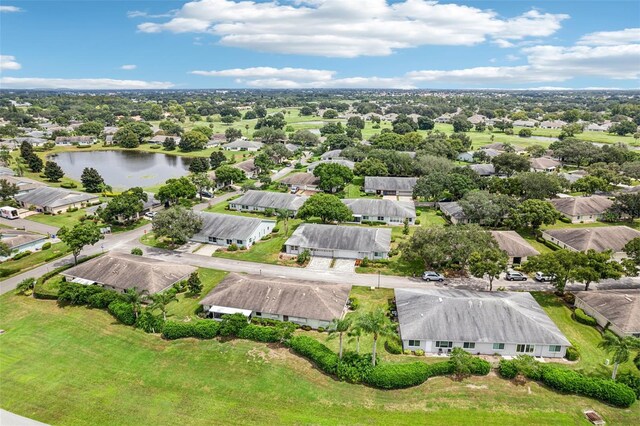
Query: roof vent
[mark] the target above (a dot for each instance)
(628, 298)
(440, 299)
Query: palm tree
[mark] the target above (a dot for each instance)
(375, 323)
(135, 298)
(283, 215)
(25, 285)
(19, 167)
(161, 300)
(621, 348)
(339, 327)
(354, 336)
(104, 188)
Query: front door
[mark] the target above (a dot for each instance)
(285, 318)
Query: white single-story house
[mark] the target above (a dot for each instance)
(524, 123)
(310, 303)
(225, 229)
(487, 169)
(598, 238)
(389, 212)
(484, 323)
(582, 209)
(259, 201)
(20, 241)
(162, 138)
(303, 181)
(348, 242)
(617, 310)
(332, 155)
(552, 124)
(55, 200)
(383, 185)
(453, 212)
(544, 164)
(347, 163)
(467, 157)
(75, 140)
(122, 271)
(516, 247)
(243, 145)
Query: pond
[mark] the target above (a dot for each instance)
(124, 169)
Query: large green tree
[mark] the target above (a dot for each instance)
(124, 207)
(91, 180)
(177, 224)
(52, 171)
(333, 176)
(509, 163)
(327, 207)
(82, 234)
(490, 263)
(176, 189)
(533, 214)
(228, 175)
(193, 140)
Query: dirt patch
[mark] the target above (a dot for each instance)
(471, 386)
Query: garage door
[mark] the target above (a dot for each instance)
(344, 254)
(323, 253)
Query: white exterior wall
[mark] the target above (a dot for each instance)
(487, 349)
(244, 208)
(265, 228)
(341, 254)
(313, 323)
(590, 218)
(395, 220)
(60, 209)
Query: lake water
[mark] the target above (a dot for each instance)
(124, 169)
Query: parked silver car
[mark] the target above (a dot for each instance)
(432, 276)
(515, 276)
(544, 278)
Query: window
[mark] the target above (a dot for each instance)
(498, 346)
(414, 342)
(525, 348)
(444, 344)
(229, 241)
(258, 314)
(212, 239)
(554, 348)
(469, 345)
(239, 241)
(381, 218)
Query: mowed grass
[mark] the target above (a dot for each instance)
(68, 219)
(187, 304)
(13, 267)
(77, 366)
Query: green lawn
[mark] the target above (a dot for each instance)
(75, 365)
(187, 305)
(68, 219)
(12, 267)
(149, 239)
(583, 337)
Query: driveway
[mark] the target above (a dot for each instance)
(347, 266)
(318, 263)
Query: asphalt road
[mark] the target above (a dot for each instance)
(28, 225)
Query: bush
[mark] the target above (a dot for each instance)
(77, 294)
(507, 369)
(636, 361)
(21, 255)
(5, 272)
(324, 358)
(68, 185)
(572, 354)
(583, 318)
(631, 380)
(266, 334)
(397, 376)
(320, 329)
(232, 247)
(122, 311)
(354, 367)
(201, 329)
(417, 222)
(46, 246)
(275, 230)
(232, 325)
(419, 352)
(565, 219)
(479, 367)
(306, 328)
(136, 251)
(303, 257)
(354, 303)
(365, 262)
(102, 300)
(393, 346)
(150, 323)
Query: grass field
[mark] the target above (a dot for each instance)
(77, 366)
(13, 267)
(187, 305)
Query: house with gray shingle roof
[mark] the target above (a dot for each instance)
(310, 303)
(618, 310)
(259, 201)
(516, 247)
(487, 323)
(544, 164)
(55, 200)
(347, 163)
(598, 238)
(336, 241)
(304, 181)
(389, 212)
(20, 241)
(388, 185)
(582, 209)
(453, 212)
(334, 154)
(225, 229)
(243, 145)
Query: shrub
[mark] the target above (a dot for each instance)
(636, 361)
(275, 230)
(419, 352)
(365, 262)
(68, 185)
(354, 367)
(149, 323)
(572, 354)
(417, 221)
(303, 257)
(324, 358)
(136, 251)
(393, 252)
(122, 311)
(406, 352)
(201, 329)
(46, 246)
(102, 300)
(21, 255)
(77, 294)
(583, 318)
(268, 334)
(5, 272)
(269, 212)
(320, 329)
(354, 303)
(306, 328)
(393, 346)
(479, 367)
(631, 380)
(507, 369)
(397, 376)
(232, 325)
(232, 247)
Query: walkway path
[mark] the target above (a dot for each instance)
(10, 419)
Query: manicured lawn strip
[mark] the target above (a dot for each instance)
(99, 372)
(187, 305)
(149, 239)
(35, 259)
(68, 219)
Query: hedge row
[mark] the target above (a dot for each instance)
(396, 376)
(565, 380)
(201, 329)
(583, 318)
(324, 358)
(632, 380)
(264, 334)
(122, 311)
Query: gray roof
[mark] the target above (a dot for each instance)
(247, 166)
(76, 139)
(513, 244)
(300, 179)
(335, 153)
(385, 183)
(15, 239)
(470, 316)
(350, 164)
(162, 138)
(228, 226)
(304, 299)
(350, 238)
(124, 271)
(619, 307)
(598, 238)
(452, 209)
(376, 207)
(542, 163)
(46, 196)
(272, 200)
(241, 143)
(24, 184)
(483, 169)
(580, 206)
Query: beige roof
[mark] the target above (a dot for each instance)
(300, 179)
(304, 299)
(514, 244)
(599, 238)
(542, 163)
(620, 307)
(124, 271)
(580, 206)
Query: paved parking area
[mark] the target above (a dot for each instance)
(319, 263)
(207, 250)
(344, 265)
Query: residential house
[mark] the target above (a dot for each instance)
(544, 164)
(348, 242)
(332, 155)
(615, 310)
(477, 118)
(596, 127)
(35, 142)
(524, 123)
(582, 209)
(467, 157)
(20, 241)
(76, 140)
(304, 181)
(385, 185)
(55, 200)
(453, 212)
(162, 138)
(243, 145)
(502, 147)
(122, 271)
(484, 323)
(248, 167)
(259, 201)
(389, 212)
(483, 169)
(516, 247)
(598, 238)
(306, 303)
(24, 184)
(347, 163)
(224, 229)
(552, 124)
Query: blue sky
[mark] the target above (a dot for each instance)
(319, 43)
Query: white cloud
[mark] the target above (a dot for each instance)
(142, 14)
(611, 38)
(8, 62)
(338, 28)
(10, 9)
(128, 67)
(80, 83)
(296, 74)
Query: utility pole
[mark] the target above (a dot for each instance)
(378, 279)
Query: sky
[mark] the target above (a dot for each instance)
(404, 44)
